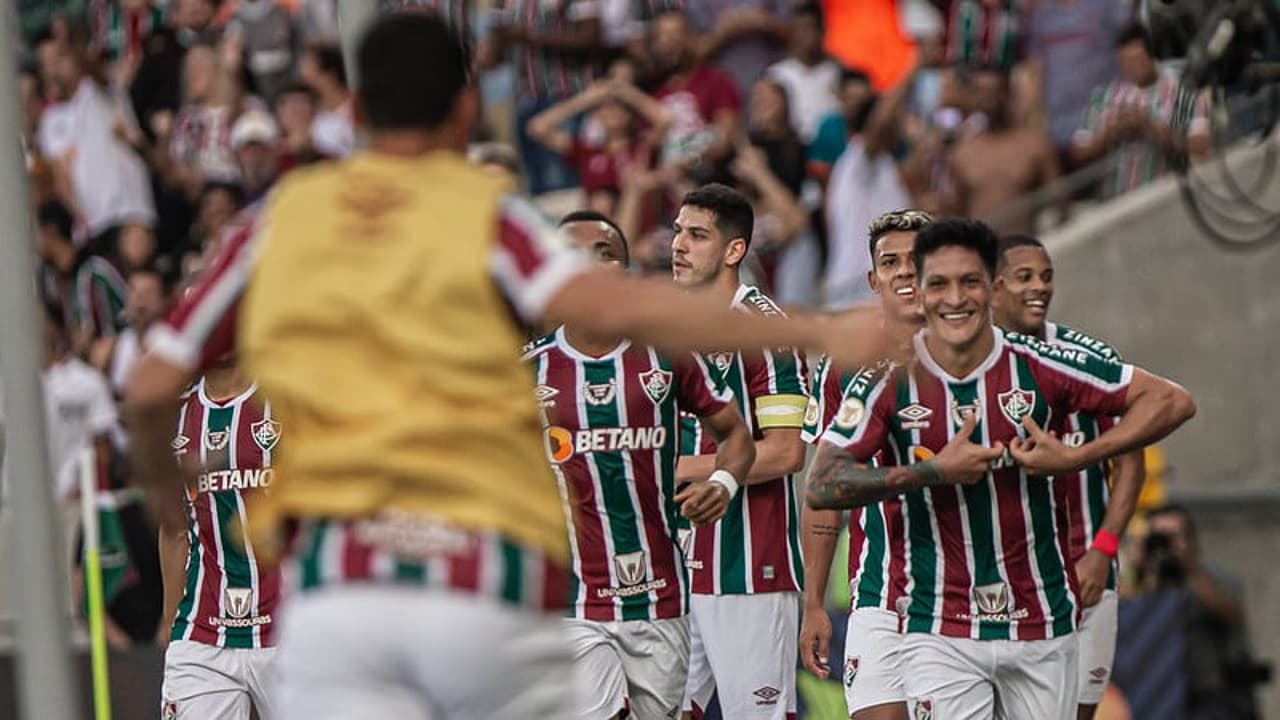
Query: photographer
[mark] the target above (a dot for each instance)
(1221, 671)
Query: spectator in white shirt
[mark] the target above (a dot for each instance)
(97, 175)
(809, 76)
(146, 304)
(332, 131)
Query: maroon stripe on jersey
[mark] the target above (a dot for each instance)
(357, 557)
(589, 532)
(1062, 514)
(956, 581)
(1013, 524)
(702, 580)
(464, 568)
(857, 542)
(641, 412)
(523, 248)
(269, 582)
(248, 453)
(555, 585)
(897, 580)
(766, 506)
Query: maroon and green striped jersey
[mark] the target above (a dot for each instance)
(612, 428)
(1089, 489)
(755, 547)
(877, 538)
(229, 600)
(988, 561)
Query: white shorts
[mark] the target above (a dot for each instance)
(203, 682)
(413, 653)
(1098, 647)
(872, 660)
(746, 647)
(961, 679)
(637, 664)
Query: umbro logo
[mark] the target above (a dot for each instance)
(767, 695)
(915, 417)
(545, 395)
(1098, 675)
(179, 444)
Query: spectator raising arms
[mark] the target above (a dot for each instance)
(809, 76)
(614, 105)
(332, 130)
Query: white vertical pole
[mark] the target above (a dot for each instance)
(47, 689)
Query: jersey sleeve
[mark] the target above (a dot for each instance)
(202, 326)
(828, 390)
(701, 391)
(778, 388)
(530, 262)
(1076, 380)
(861, 422)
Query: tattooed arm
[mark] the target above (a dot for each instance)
(837, 480)
(820, 531)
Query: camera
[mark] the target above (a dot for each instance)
(1160, 562)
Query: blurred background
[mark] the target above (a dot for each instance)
(1134, 137)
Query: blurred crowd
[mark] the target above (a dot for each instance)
(150, 124)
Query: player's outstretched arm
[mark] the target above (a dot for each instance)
(837, 480)
(819, 534)
(656, 312)
(1153, 408)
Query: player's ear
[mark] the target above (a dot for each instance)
(735, 251)
(873, 281)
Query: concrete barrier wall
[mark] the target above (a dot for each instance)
(1140, 273)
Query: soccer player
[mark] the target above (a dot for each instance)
(964, 436)
(877, 543)
(381, 301)
(1101, 498)
(221, 605)
(746, 570)
(611, 411)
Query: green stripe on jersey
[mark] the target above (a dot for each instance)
(871, 570)
(614, 480)
(922, 552)
(310, 571)
(512, 573)
(980, 505)
(234, 561)
(191, 588)
(732, 527)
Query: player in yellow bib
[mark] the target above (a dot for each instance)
(381, 303)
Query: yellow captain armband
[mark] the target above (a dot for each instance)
(781, 411)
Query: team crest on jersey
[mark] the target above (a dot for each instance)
(266, 432)
(217, 440)
(960, 412)
(630, 567)
(179, 444)
(915, 417)
(850, 671)
(545, 395)
(722, 360)
(238, 601)
(850, 413)
(656, 384)
(1017, 403)
(924, 710)
(169, 711)
(991, 599)
(598, 395)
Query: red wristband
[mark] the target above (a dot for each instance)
(1106, 543)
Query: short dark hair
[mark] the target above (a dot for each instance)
(594, 216)
(294, 88)
(960, 232)
(895, 221)
(1179, 510)
(412, 69)
(153, 268)
(734, 216)
(52, 213)
(849, 74)
(1135, 32)
(807, 8)
(328, 57)
(1009, 242)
